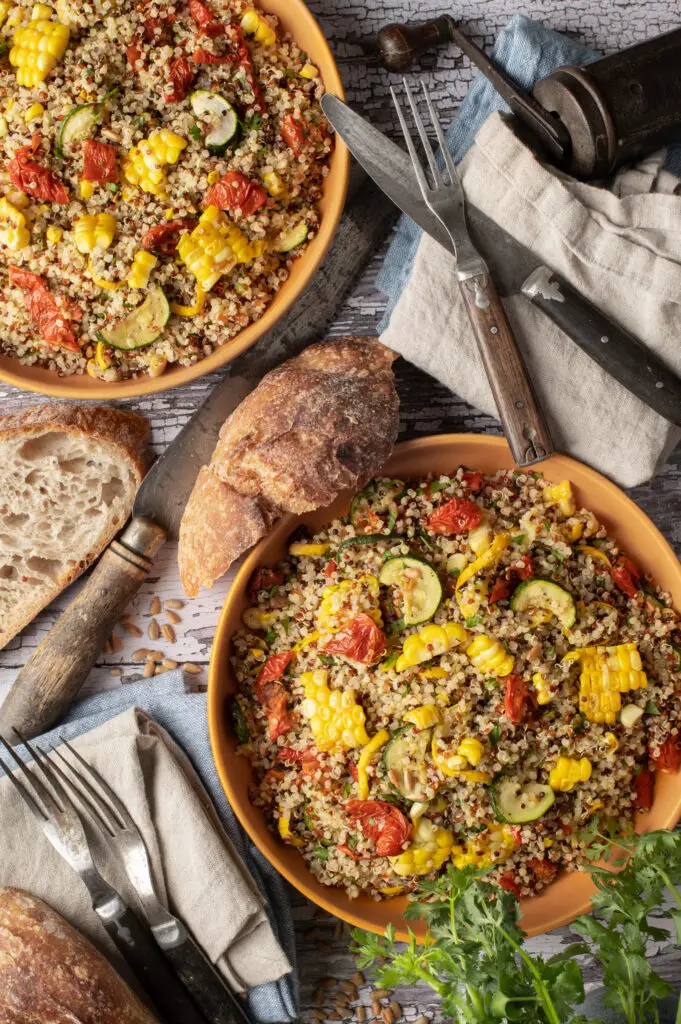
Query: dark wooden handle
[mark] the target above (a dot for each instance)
(209, 990)
(521, 417)
(55, 672)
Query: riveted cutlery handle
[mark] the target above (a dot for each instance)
(210, 991)
(523, 421)
(138, 946)
(55, 672)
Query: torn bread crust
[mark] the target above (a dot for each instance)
(319, 424)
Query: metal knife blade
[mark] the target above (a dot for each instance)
(515, 269)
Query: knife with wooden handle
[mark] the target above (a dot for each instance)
(515, 269)
(52, 677)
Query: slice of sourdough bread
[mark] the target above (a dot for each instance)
(68, 477)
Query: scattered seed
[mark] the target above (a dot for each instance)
(131, 628)
(193, 669)
(387, 1015)
(130, 619)
(175, 604)
(376, 1008)
(107, 649)
(361, 1014)
(396, 1009)
(115, 671)
(116, 643)
(318, 998)
(381, 993)
(159, 670)
(174, 617)
(168, 633)
(168, 664)
(328, 982)
(148, 670)
(155, 606)
(155, 656)
(141, 654)
(358, 979)
(341, 1004)
(422, 1020)
(349, 989)
(154, 630)
(334, 1016)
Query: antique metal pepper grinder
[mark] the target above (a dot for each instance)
(589, 118)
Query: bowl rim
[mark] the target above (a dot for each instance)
(537, 914)
(11, 369)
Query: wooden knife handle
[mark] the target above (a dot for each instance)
(523, 421)
(55, 672)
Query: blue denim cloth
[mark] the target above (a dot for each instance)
(184, 716)
(528, 51)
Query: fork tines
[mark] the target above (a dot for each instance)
(438, 179)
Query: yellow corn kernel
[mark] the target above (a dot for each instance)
(489, 657)
(472, 749)
(424, 717)
(595, 554)
(102, 356)
(256, 618)
(542, 688)
(36, 49)
(142, 265)
(547, 844)
(488, 849)
(169, 213)
(94, 231)
(14, 232)
(430, 848)
(255, 25)
(257, 653)
(212, 177)
(593, 807)
(307, 640)
(301, 548)
(214, 247)
(33, 112)
(157, 364)
(341, 602)
(430, 642)
(434, 673)
(561, 495)
(4, 11)
(274, 183)
(87, 189)
(606, 673)
(54, 234)
(15, 17)
(41, 12)
(335, 717)
(611, 742)
(368, 752)
(309, 71)
(146, 162)
(284, 826)
(487, 560)
(568, 771)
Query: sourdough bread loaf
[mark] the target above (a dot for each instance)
(68, 477)
(50, 974)
(318, 424)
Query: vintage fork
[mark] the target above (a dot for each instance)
(523, 421)
(49, 803)
(115, 824)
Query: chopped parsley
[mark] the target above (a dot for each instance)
(494, 735)
(196, 133)
(321, 853)
(254, 123)
(519, 538)
(652, 708)
(270, 636)
(473, 620)
(326, 659)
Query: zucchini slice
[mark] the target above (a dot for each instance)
(404, 758)
(419, 586)
(291, 237)
(542, 599)
(221, 117)
(78, 124)
(515, 803)
(375, 508)
(142, 326)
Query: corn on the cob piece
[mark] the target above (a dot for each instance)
(568, 771)
(13, 230)
(142, 265)
(341, 602)
(146, 162)
(36, 48)
(489, 848)
(284, 826)
(542, 688)
(606, 673)
(424, 717)
(301, 548)
(561, 495)
(430, 642)
(214, 247)
(472, 749)
(254, 25)
(489, 656)
(336, 719)
(94, 231)
(368, 752)
(430, 848)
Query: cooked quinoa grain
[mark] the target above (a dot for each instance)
(179, 130)
(463, 668)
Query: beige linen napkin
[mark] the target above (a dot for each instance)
(620, 248)
(196, 869)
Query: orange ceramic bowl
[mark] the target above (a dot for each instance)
(296, 19)
(569, 896)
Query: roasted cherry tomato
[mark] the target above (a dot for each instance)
(456, 516)
(99, 162)
(505, 584)
(361, 640)
(472, 480)
(294, 132)
(263, 579)
(515, 698)
(382, 822)
(235, 191)
(200, 14)
(509, 883)
(669, 758)
(307, 759)
(626, 576)
(181, 76)
(30, 177)
(163, 238)
(330, 568)
(274, 667)
(542, 868)
(643, 787)
(48, 316)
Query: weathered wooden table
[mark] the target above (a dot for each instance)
(427, 407)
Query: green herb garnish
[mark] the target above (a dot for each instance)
(270, 636)
(652, 708)
(196, 133)
(326, 659)
(473, 620)
(494, 735)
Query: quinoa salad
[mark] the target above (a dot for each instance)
(161, 166)
(464, 668)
